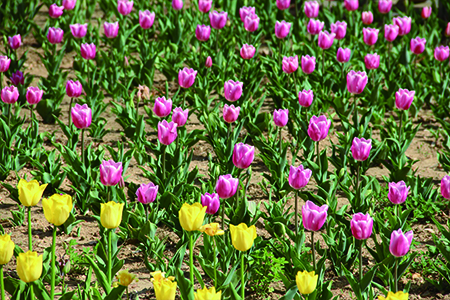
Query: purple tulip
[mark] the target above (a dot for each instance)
(384, 6)
(305, 98)
(232, 90)
(202, 32)
(326, 39)
(400, 243)
(447, 30)
(441, 53)
(426, 12)
(308, 64)
(78, 30)
(361, 226)
(251, 22)
(177, 4)
(167, 132)
(343, 55)
(351, 5)
(247, 51)
(314, 216)
(208, 62)
(124, 7)
(418, 45)
(73, 89)
(34, 95)
(111, 29)
(445, 187)
(17, 78)
(283, 4)
(146, 19)
(186, 77)
(314, 26)
(226, 186)
(180, 116)
(370, 36)
(311, 9)
(282, 29)
(391, 32)
(243, 155)
(4, 63)
(367, 17)
(299, 177)
(230, 113)
(281, 117)
(162, 107)
(211, 201)
(290, 64)
(318, 128)
(361, 148)
(69, 4)
(88, 51)
(146, 193)
(356, 82)
(398, 192)
(218, 20)
(55, 35)
(245, 11)
(404, 98)
(10, 94)
(404, 25)
(339, 29)
(204, 5)
(110, 172)
(372, 61)
(55, 11)
(81, 116)
(15, 41)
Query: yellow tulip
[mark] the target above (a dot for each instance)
(212, 229)
(395, 296)
(242, 236)
(111, 214)
(191, 216)
(30, 192)
(6, 249)
(208, 294)
(306, 282)
(29, 266)
(165, 288)
(57, 208)
(125, 278)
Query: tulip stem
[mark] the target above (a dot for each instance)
(217, 40)
(296, 213)
(31, 291)
(313, 251)
(395, 276)
(109, 258)
(191, 257)
(184, 99)
(137, 106)
(146, 212)
(360, 261)
(215, 266)
(128, 295)
(401, 129)
(82, 146)
(223, 216)
(281, 140)
(52, 291)
(164, 164)
(355, 111)
(358, 170)
(70, 111)
(242, 276)
(31, 114)
(2, 284)
(30, 245)
(295, 82)
(318, 158)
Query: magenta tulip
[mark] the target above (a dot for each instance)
(202, 32)
(314, 216)
(370, 36)
(218, 20)
(211, 201)
(398, 192)
(4, 63)
(299, 177)
(245, 11)
(111, 29)
(305, 98)
(308, 64)
(318, 128)
(418, 45)
(55, 11)
(361, 226)
(367, 17)
(343, 55)
(426, 12)
(180, 116)
(78, 30)
(34, 95)
(162, 107)
(88, 51)
(110, 172)
(447, 30)
(204, 5)
(247, 51)
(351, 5)
(384, 6)
(81, 116)
(232, 90)
(186, 77)
(124, 7)
(10, 94)
(441, 53)
(243, 155)
(311, 9)
(339, 29)
(69, 4)
(15, 41)
(326, 39)
(208, 62)
(283, 4)
(146, 19)
(226, 186)
(404, 98)
(167, 132)
(400, 242)
(356, 82)
(372, 61)
(17, 78)
(361, 148)
(391, 32)
(404, 25)
(73, 89)
(230, 113)
(55, 35)
(314, 26)
(290, 64)
(146, 193)
(177, 4)
(281, 117)
(251, 22)
(445, 187)
(282, 29)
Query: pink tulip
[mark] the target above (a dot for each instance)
(391, 32)
(81, 116)
(15, 41)
(290, 64)
(245, 11)
(180, 116)
(202, 32)
(232, 90)
(400, 243)
(305, 98)
(404, 25)
(55, 35)
(339, 29)
(88, 51)
(445, 187)
(111, 29)
(361, 148)
(208, 62)
(283, 4)
(211, 201)
(318, 128)
(226, 186)
(326, 39)
(361, 226)
(384, 6)
(55, 11)
(218, 20)
(343, 55)
(146, 19)
(162, 107)
(247, 51)
(404, 98)
(372, 61)
(314, 216)
(167, 132)
(314, 26)
(243, 155)
(73, 89)
(441, 53)
(251, 22)
(426, 12)
(398, 192)
(230, 113)
(356, 82)
(281, 117)
(146, 193)
(34, 95)
(186, 77)
(10, 94)
(124, 7)
(110, 172)
(447, 30)
(370, 36)
(78, 30)
(204, 5)
(418, 45)
(282, 29)
(367, 17)
(4, 63)
(299, 177)
(308, 64)
(351, 5)
(17, 78)
(312, 9)
(69, 4)
(177, 4)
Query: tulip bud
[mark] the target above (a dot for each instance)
(204, 5)
(351, 5)
(124, 7)
(69, 4)
(162, 107)
(400, 242)
(208, 62)
(391, 32)
(110, 172)
(218, 20)
(78, 30)
(314, 26)
(251, 22)
(441, 53)
(10, 94)
(192, 216)
(404, 98)
(29, 266)
(186, 77)
(244, 11)
(202, 32)
(55, 35)
(88, 51)
(370, 36)
(73, 89)
(305, 98)
(426, 12)
(290, 64)
(55, 11)
(343, 55)
(230, 113)
(372, 61)
(398, 192)
(367, 17)
(146, 193)
(57, 208)
(247, 51)
(30, 192)
(211, 202)
(34, 95)
(4, 63)
(226, 186)
(384, 6)
(339, 29)
(299, 177)
(356, 82)
(280, 117)
(81, 116)
(207, 294)
(312, 9)
(15, 41)
(361, 148)
(111, 29)
(6, 249)
(404, 25)
(361, 226)
(146, 19)
(306, 282)
(111, 214)
(242, 237)
(124, 278)
(318, 128)
(177, 4)
(232, 90)
(447, 30)
(314, 216)
(282, 29)
(180, 116)
(283, 4)
(165, 288)
(445, 187)
(417, 45)
(243, 155)
(326, 39)
(17, 78)
(308, 64)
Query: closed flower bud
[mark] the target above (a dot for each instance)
(34, 95)
(398, 192)
(384, 6)
(29, 266)
(4, 63)
(445, 187)
(441, 53)
(351, 5)
(55, 35)
(88, 51)
(404, 25)
(306, 282)
(111, 214)
(361, 148)
(162, 107)
(226, 186)
(146, 19)
(186, 77)
(232, 90)
(230, 113)
(177, 4)
(299, 177)
(312, 9)
(418, 45)
(404, 98)
(343, 55)
(251, 22)
(57, 208)
(391, 32)
(30, 192)
(180, 116)
(202, 32)
(242, 237)
(282, 29)
(218, 20)
(204, 5)
(207, 294)
(10, 94)
(78, 30)
(124, 7)
(318, 128)
(6, 249)
(167, 132)
(281, 117)
(308, 64)
(361, 226)
(247, 51)
(211, 202)
(208, 62)
(243, 155)
(111, 29)
(370, 36)
(191, 216)
(367, 17)
(110, 172)
(426, 12)
(290, 64)
(146, 193)
(69, 4)
(400, 242)
(55, 11)
(372, 61)
(81, 116)
(17, 78)
(305, 98)
(314, 216)
(73, 89)
(283, 4)
(326, 39)
(339, 29)
(15, 41)
(314, 26)
(245, 11)
(356, 82)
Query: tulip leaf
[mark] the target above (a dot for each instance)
(39, 290)
(116, 293)
(185, 286)
(101, 277)
(234, 294)
(67, 296)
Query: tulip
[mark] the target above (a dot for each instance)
(34, 95)
(73, 89)
(232, 90)
(404, 25)
(404, 98)
(343, 55)
(361, 226)
(441, 53)
(311, 9)
(57, 208)
(447, 30)
(305, 98)
(146, 193)
(111, 214)
(367, 17)
(165, 288)
(283, 4)
(318, 128)
(400, 242)
(55, 11)
(6, 249)
(17, 78)
(370, 36)
(208, 62)
(247, 51)
(326, 39)
(186, 77)
(226, 186)
(242, 236)
(124, 278)
(314, 26)
(361, 148)
(372, 61)
(356, 82)
(81, 116)
(426, 12)
(167, 132)
(243, 155)
(4, 63)
(177, 4)
(211, 202)
(306, 282)
(204, 5)
(212, 229)
(111, 29)
(299, 177)
(88, 51)
(162, 107)
(202, 32)
(308, 64)
(391, 32)
(29, 266)
(146, 19)
(191, 216)
(208, 294)
(15, 41)
(251, 22)
(245, 11)
(55, 35)
(351, 5)
(218, 20)
(400, 295)
(418, 45)
(314, 216)
(398, 192)
(110, 172)
(384, 6)
(282, 29)
(30, 192)
(230, 113)
(124, 7)
(78, 30)
(10, 94)
(280, 117)
(180, 116)
(290, 64)
(339, 29)
(69, 4)
(445, 187)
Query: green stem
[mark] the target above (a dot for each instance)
(217, 40)
(395, 275)
(215, 265)
(191, 257)
(401, 128)
(313, 251)
(318, 158)
(137, 107)
(2, 285)
(281, 140)
(184, 99)
(229, 131)
(128, 295)
(360, 261)
(30, 244)
(242, 276)
(9, 114)
(355, 111)
(109, 258)
(52, 291)
(164, 164)
(357, 184)
(295, 82)
(70, 111)
(296, 213)
(31, 291)
(82, 146)
(31, 114)
(146, 212)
